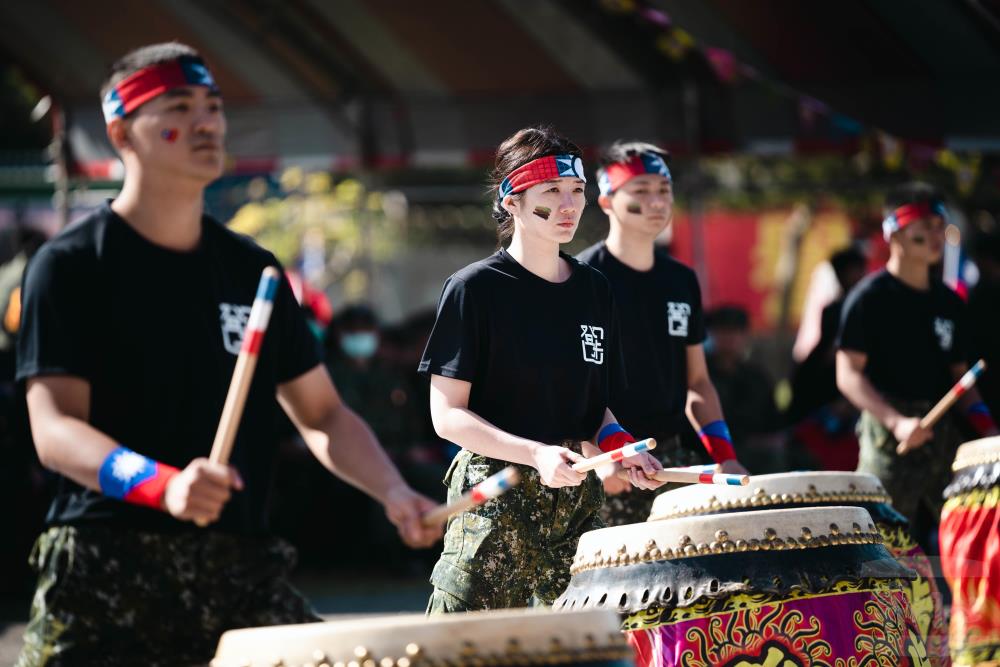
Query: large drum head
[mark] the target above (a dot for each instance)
(977, 452)
(770, 491)
(513, 637)
(678, 562)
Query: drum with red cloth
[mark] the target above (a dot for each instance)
(812, 586)
(825, 489)
(970, 553)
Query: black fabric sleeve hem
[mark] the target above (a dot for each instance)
(34, 371)
(443, 371)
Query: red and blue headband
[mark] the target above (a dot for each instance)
(908, 213)
(140, 87)
(618, 174)
(540, 170)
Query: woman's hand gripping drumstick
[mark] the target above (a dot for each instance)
(638, 465)
(926, 424)
(246, 363)
(489, 488)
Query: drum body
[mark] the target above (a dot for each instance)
(827, 489)
(970, 552)
(787, 587)
(510, 638)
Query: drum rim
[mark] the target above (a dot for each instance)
(982, 451)
(862, 530)
(755, 496)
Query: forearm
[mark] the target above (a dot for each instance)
(703, 405)
(470, 431)
(860, 392)
(347, 447)
(73, 448)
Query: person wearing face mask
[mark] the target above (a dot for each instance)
(524, 359)
(660, 300)
(903, 342)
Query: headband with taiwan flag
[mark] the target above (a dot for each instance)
(540, 170)
(618, 174)
(907, 213)
(140, 87)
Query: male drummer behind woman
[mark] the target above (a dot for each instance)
(902, 344)
(132, 321)
(659, 302)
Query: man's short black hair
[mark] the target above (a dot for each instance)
(846, 259)
(622, 151)
(146, 56)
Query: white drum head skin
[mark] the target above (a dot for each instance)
(977, 452)
(508, 637)
(763, 491)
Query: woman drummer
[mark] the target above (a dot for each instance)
(523, 358)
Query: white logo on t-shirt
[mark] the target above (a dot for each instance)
(945, 330)
(677, 318)
(234, 322)
(591, 338)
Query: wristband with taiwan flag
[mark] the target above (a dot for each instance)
(134, 478)
(980, 418)
(612, 437)
(718, 443)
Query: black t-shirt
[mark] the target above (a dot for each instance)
(156, 334)
(543, 358)
(661, 315)
(911, 336)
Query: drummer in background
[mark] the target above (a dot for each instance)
(524, 359)
(902, 344)
(132, 321)
(659, 302)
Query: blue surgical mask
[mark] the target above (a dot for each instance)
(359, 345)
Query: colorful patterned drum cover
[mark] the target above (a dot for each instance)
(970, 553)
(782, 588)
(825, 489)
(479, 639)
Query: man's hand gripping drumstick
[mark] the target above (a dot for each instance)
(924, 429)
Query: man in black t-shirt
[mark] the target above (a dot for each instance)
(132, 321)
(902, 344)
(659, 305)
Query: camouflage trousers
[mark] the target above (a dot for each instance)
(914, 480)
(633, 506)
(515, 550)
(110, 596)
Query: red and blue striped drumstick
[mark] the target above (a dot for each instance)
(695, 475)
(491, 487)
(964, 384)
(615, 455)
(246, 362)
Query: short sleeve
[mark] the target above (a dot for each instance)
(852, 332)
(296, 346)
(57, 306)
(453, 348)
(696, 323)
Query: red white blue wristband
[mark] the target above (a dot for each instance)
(613, 437)
(134, 478)
(980, 418)
(718, 443)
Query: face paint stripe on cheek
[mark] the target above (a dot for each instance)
(543, 212)
(633, 207)
(170, 135)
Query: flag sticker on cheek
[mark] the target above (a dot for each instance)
(543, 212)
(170, 135)
(634, 207)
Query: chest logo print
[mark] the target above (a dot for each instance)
(233, 318)
(592, 341)
(945, 330)
(677, 318)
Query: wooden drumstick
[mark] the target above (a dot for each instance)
(614, 455)
(694, 475)
(489, 488)
(964, 384)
